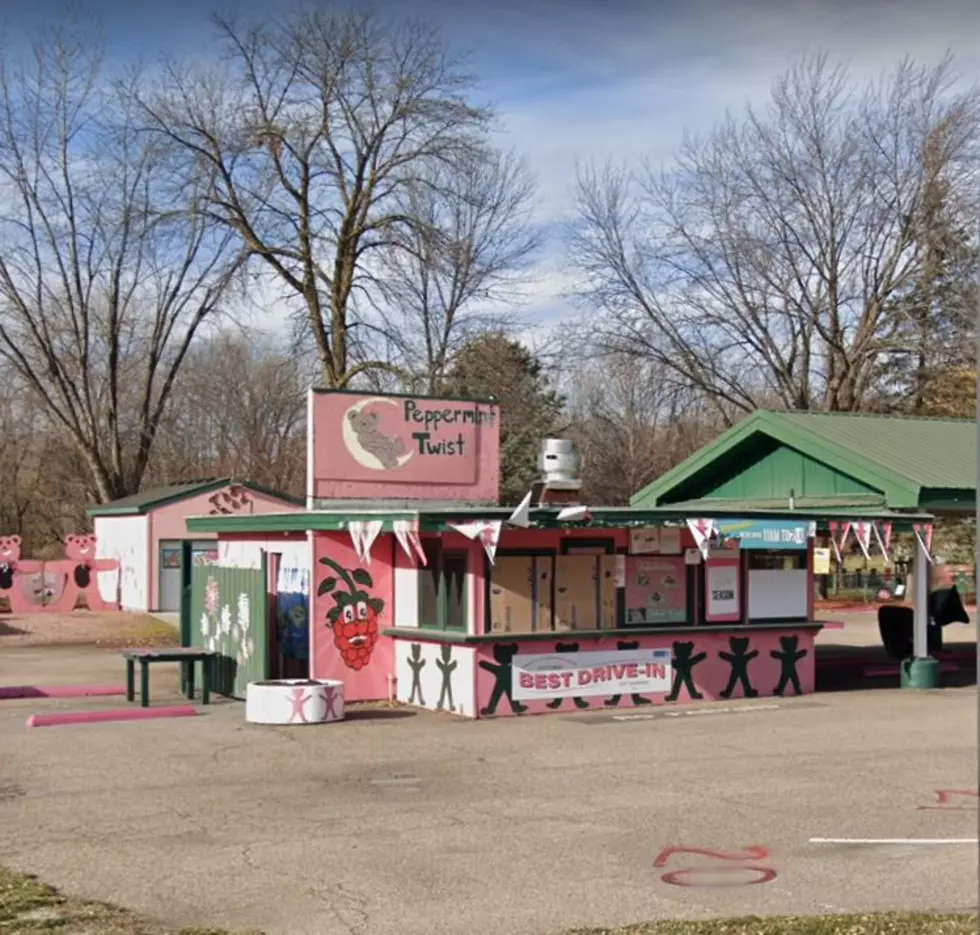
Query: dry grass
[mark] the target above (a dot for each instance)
(900, 923)
(82, 628)
(29, 907)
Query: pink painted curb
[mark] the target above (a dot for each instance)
(59, 691)
(114, 714)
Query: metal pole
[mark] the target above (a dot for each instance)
(921, 602)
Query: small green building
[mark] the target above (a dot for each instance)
(837, 462)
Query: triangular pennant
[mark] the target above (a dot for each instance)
(862, 532)
(881, 543)
(490, 536)
(845, 529)
(886, 529)
(833, 541)
(356, 530)
(413, 538)
(701, 530)
(369, 532)
(572, 513)
(923, 533)
(470, 529)
(522, 513)
(400, 527)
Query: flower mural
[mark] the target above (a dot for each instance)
(354, 618)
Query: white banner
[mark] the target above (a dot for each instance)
(615, 672)
(722, 588)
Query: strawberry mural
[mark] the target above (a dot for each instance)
(354, 620)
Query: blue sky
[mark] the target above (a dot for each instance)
(578, 80)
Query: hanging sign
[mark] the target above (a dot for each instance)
(766, 534)
(821, 561)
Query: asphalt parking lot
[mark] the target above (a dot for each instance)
(404, 822)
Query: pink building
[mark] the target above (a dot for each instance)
(423, 588)
(148, 534)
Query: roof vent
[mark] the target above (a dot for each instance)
(559, 463)
(559, 482)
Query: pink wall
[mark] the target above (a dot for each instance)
(710, 673)
(357, 607)
(170, 522)
(399, 447)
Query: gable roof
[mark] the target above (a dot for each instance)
(138, 504)
(899, 456)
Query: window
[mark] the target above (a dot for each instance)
(442, 587)
(775, 560)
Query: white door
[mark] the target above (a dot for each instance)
(170, 575)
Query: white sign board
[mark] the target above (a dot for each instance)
(645, 540)
(670, 540)
(722, 588)
(615, 672)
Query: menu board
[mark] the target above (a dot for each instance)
(656, 589)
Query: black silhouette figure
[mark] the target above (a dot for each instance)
(503, 653)
(579, 703)
(685, 659)
(739, 659)
(790, 655)
(416, 664)
(446, 667)
(637, 699)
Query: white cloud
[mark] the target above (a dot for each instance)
(633, 84)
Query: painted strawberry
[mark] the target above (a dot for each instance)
(354, 620)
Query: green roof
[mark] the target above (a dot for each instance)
(145, 501)
(439, 520)
(915, 463)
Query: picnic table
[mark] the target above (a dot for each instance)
(187, 656)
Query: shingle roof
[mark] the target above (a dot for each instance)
(154, 497)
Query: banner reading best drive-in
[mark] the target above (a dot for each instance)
(566, 675)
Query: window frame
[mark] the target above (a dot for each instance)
(436, 554)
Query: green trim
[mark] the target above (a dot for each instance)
(486, 400)
(185, 492)
(448, 636)
(602, 518)
(442, 591)
(949, 499)
(900, 492)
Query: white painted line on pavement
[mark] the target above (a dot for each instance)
(895, 840)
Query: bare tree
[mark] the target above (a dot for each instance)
(106, 272)
(238, 410)
(767, 263)
(460, 269)
(631, 426)
(313, 130)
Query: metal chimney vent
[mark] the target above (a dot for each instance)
(559, 463)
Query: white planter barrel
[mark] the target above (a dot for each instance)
(294, 701)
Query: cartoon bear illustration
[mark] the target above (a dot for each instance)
(80, 569)
(14, 572)
(385, 448)
(504, 654)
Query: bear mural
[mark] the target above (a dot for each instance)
(386, 449)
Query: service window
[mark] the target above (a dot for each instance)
(778, 583)
(520, 593)
(442, 587)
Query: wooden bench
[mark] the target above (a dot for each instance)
(187, 656)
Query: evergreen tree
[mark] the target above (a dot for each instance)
(494, 365)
